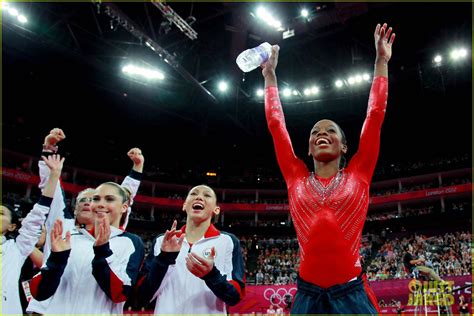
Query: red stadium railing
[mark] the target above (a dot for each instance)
(23, 177)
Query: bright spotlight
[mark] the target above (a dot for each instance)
(455, 54)
(262, 13)
(358, 78)
(339, 83)
(223, 86)
(350, 80)
(304, 13)
(462, 52)
(268, 18)
(4, 5)
(458, 53)
(286, 92)
(295, 92)
(366, 77)
(13, 11)
(314, 90)
(147, 43)
(22, 19)
(307, 92)
(438, 59)
(260, 92)
(138, 71)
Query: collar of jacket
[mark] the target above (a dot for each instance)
(211, 231)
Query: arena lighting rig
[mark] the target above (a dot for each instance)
(174, 18)
(120, 18)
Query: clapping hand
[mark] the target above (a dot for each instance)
(200, 266)
(59, 244)
(171, 242)
(102, 231)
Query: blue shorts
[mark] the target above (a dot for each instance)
(348, 298)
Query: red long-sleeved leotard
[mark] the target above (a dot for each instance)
(329, 214)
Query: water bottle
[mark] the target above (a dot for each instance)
(250, 59)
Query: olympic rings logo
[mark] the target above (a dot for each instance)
(279, 296)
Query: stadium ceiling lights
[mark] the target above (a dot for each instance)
(12, 11)
(311, 91)
(268, 18)
(223, 86)
(150, 74)
(438, 59)
(358, 79)
(458, 53)
(455, 55)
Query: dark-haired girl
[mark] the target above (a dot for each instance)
(329, 205)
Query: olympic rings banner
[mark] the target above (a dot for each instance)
(259, 297)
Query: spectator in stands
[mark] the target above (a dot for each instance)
(271, 310)
(463, 306)
(198, 280)
(259, 277)
(414, 265)
(279, 311)
(329, 236)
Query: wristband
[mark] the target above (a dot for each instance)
(54, 149)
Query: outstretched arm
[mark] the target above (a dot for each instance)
(133, 180)
(58, 209)
(30, 231)
(367, 154)
(287, 160)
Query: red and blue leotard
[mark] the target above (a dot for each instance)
(329, 214)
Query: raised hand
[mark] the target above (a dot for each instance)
(171, 242)
(138, 159)
(57, 242)
(200, 266)
(55, 136)
(102, 231)
(383, 41)
(55, 163)
(42, 238)
(268, 68)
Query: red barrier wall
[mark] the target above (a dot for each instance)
(257, 298)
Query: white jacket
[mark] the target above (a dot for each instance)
(59, 211)
(88, 279)
(178, 291)
(15, 251)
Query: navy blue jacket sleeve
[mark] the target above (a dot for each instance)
(117, 284)
(45, 283)
(153, 272)
(229, 291)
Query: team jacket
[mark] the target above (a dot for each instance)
(15, 251)
(60, 211)
(178, 291)
(89, 279)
